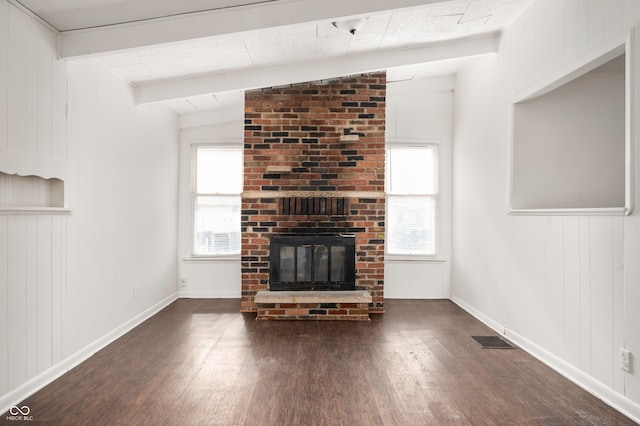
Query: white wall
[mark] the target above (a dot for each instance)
(212, 278)
(66, 279)
(564, 287)
(421, 110)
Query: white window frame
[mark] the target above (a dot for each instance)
(195, 195)
(435, 196)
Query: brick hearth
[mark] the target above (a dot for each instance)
(314, 164)
(313, 305)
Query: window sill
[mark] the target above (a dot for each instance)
(612, 211)
(413, 258)
(33, 210)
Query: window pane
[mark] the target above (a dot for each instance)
(411, 225)
(338, 263)
(411, 170)
(303, 264)
(218, 170)
(320, 263)
(217, 225)
(287, 268)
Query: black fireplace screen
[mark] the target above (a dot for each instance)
(312, 262)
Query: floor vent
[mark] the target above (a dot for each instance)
(492, 342)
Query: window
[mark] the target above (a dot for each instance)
(412, 190)
(217, 184)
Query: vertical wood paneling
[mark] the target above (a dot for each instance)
(92, 288)
(17, 296)
(536, 279)
(44, 254)
(595, 22)
(67, 323)
(571, 270)
(4, 304)
(554, 280)
(571, 25)
(4, 69)
(602, 299)
(45, 92)
(31, 302)
(17, 78)
(583, 28)
(632, 300)
(521, 250)
(631, 12)
(618, 299)
(613, 19)
(70, 320)
(59, 150)
(31, 75)
(585, 295)
(530, 66)
(78, 76)
(57, 268)
(550, 24)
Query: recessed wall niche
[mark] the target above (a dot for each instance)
(30, 192)
(569, 145)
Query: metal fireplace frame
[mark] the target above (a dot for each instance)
(276, 280)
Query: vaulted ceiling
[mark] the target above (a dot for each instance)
(198, 55)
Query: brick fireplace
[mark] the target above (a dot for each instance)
(314, 165)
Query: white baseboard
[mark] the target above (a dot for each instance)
(488, 321)
(54, 372)
(586, 382)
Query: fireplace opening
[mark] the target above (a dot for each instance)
(312, 262)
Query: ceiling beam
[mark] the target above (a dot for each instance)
(153, 92)
(91, 41)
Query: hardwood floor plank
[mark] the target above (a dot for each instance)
(201, 362)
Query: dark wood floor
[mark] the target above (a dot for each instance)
(200, 362)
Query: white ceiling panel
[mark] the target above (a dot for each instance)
(479, 11)
(272, 37)
(67, 15)
(131, 72)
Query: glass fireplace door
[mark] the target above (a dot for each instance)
(298, 263)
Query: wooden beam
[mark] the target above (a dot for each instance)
(177, 28)
(313, 71)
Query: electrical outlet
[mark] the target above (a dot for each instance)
(135, 292)
(183, 282)
(625, 360)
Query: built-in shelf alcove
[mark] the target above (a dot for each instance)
(570, 139)
(31, 193)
